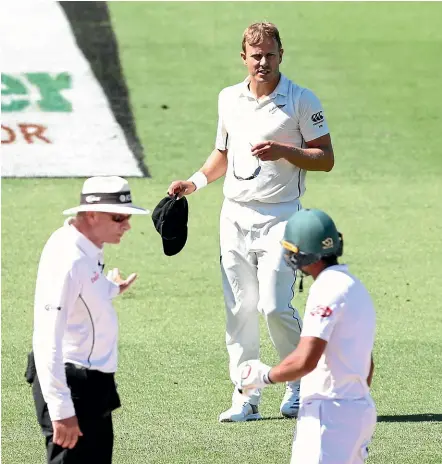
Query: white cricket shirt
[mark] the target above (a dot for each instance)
(339, 310)
(74, 320)
(291, 114)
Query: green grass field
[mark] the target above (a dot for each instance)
(377, 68)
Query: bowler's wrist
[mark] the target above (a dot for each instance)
(199, 180)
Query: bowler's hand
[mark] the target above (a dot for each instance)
(181, 188)
(66, 432)
(253, 374)
(268, 150)
(114, 276)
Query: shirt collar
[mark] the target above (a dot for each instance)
(337, 267)
(89, 248)
(281, 89)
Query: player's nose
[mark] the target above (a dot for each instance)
(126, 225)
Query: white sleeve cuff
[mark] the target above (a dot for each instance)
(114, 289)
(199, 179)
(61, 411)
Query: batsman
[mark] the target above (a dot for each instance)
(337, 415)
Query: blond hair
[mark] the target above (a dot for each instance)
(257, 32)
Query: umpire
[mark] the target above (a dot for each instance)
(76, 327)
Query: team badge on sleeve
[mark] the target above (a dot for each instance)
(317, 118)
(323, 311)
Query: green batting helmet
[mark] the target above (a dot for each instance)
(310, 235)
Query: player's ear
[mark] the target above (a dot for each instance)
(281, 52)
(91, 216)
(243, 56)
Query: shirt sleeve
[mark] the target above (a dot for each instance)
(320, 318)
(222, 137)
(312, 122)
(57, 290)
(114, 288)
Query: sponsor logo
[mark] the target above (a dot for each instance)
(92, 199)
(95, 277)
(35, 92)
(49, 307)
(40, 91)
(125, 198)
(28, 133)
(317, 118)
(323, 311)
(55, 111)
(327, 243)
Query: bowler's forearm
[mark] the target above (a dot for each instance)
(310, 159)
(215, 165)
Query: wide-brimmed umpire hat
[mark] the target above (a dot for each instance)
(170, 218)
(107, 194)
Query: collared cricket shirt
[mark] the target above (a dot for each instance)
(339, 310)
(291, 114)
(74, 319)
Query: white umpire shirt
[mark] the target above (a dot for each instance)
(290, 114)
(74, 320)
(339, 310)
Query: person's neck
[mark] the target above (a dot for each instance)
(84, 229)
(316, 270)
(260, 90)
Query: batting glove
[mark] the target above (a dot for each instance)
(253, 374)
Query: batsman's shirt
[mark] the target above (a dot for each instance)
(291, 115)
(74, 320)
(339, 310)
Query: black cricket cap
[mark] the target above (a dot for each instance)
(170, 220)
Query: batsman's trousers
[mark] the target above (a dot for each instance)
(333, 431)
(256, 280)
(94, 395)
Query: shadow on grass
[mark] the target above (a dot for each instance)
(276, 418)
(397, 418)
(412, 418)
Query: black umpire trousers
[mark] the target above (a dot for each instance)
(94, 396)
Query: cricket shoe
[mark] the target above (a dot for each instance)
(290, 403)
(240, 413)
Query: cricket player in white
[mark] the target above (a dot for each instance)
(337, 416)
(270, 132)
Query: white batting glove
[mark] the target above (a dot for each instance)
(253, 374)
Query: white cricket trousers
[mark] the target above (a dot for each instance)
(256, 280)
(334, 431)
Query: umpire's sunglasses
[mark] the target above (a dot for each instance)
(120, 217)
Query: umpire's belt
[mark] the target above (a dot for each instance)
(93, 392)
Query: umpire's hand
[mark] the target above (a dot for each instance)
(66, 432)
(181, 188)
(114, 276)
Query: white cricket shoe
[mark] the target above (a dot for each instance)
(240, 413)
(290, 403)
